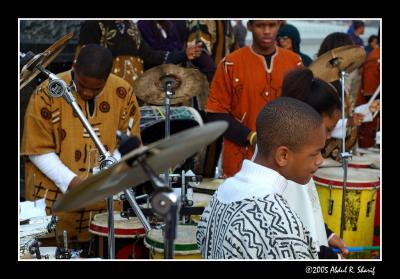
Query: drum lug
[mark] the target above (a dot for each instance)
(330, 202)
(369, 207)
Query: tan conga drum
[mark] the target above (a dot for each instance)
(362, 190)
(360, 161)
(185, 245)
(207, 186)
(129, 234)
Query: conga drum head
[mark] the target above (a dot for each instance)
(123, 227)
(360, 162)
(185, 244)
(358, 178)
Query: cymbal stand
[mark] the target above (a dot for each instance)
(168, 83)
(165, 203)
(59, 88)
(345, 156)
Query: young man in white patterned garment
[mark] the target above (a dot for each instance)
(248, 218)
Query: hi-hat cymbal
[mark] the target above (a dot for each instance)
(30, 71)
(159, 156)
(189, 83)
(346, 58)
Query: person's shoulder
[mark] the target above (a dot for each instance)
(288, 54)
(116, 81)
(238, 54)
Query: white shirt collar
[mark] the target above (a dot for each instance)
(252, 181)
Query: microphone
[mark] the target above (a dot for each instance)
(127, 143)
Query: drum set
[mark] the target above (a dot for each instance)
(139, 163)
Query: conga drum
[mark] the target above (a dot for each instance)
(360, 161)
(185, 245)
(207, 186)
(129, 234)
(362, 190)
(199, 200)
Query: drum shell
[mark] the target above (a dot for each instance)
(360, 207)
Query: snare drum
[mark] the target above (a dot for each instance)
(152, 121)
(128, 233)
(207, 186)
(185, 245)
(362, 190)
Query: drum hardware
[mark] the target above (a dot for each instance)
(123, 197)
(169, 83)
(151, 159)
(34, 249)
(369, 204)
(63, 252)
(330, 202)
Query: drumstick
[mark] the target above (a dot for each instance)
(375, 114)
(357, 249)
(373, 97)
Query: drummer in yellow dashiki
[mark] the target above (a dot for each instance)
(58, 150)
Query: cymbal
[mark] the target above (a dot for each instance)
(347, 58)
(189, 83)
(159, 156)
(29, 71)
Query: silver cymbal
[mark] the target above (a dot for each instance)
(159, 156)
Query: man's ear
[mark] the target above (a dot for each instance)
(282, 154)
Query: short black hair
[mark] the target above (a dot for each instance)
(320, 95)
(373, 37)
(94, 61)
(334, 40)
(357, 24)
(286, 122)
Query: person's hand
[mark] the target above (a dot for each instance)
(355, 120)
(194, 52)
(337, 242)
(74, 182)
(375, 106)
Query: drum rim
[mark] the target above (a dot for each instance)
(178, 247)
(352, 185)
(118, 232)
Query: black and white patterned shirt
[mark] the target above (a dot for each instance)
(248, 218)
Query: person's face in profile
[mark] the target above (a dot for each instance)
(330, 122)
(305, 161)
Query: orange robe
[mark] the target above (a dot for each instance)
(242, 86)
(51, 125)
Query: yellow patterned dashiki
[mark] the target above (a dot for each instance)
(51, 125)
